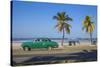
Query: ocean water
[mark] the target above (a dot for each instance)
(54, 39)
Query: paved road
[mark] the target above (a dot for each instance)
(85, 55)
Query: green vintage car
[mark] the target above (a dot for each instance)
(39, 43)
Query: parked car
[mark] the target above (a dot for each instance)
(39, 43)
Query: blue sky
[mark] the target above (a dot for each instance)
(35, 19)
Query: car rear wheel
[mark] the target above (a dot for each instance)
(49, 48)
(26, 49)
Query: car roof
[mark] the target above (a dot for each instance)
(42, 38)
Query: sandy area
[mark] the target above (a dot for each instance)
(18, 51)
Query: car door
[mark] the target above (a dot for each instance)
(35, 44)
(38, 44)
(44, 43)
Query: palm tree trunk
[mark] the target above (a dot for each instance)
(91, 37)
(63, 37)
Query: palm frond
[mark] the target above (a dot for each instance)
(67, 27)
(56, 17)
(67, 30)
(63, 15)
(92, 25)
(59, 15)
(60, 27)
(57, 25)
(68, 18)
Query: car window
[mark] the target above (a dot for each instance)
(46, 40)
(49, 40)
(37, 40)
(43, 40)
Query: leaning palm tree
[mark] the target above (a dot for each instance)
(88, 25)
(62, 24)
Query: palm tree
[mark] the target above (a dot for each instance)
(62, 23)
(88, 25)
